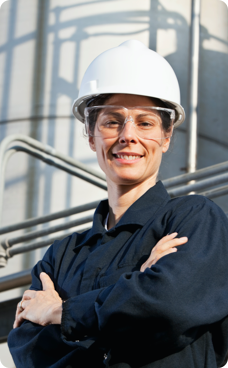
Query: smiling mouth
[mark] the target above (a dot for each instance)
(128, 157)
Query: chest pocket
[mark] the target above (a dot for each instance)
(132, 253)
(108, 279)
(137, 249)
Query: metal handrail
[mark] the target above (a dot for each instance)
(23, 278)
(199, 174)
(199, 185)
(46, 149)
(51, 157)
(15, 280)
(40, 244)
(59, 165)
(8, 243)
(49, 150)
(50, 161)
(217, 192)
(54, 216)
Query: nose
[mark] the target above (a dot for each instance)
(128, 134)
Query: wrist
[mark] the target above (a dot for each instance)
(56, 315)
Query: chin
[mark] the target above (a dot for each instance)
(128, 180)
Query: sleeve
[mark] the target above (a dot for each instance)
(32, 345)
(173, 300)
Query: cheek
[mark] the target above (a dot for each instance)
(102, 149)
(156, 154)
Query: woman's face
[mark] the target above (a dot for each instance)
(143, 155)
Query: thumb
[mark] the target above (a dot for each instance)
(46, 282)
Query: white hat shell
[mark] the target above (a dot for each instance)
(130, 68)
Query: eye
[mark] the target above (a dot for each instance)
(146, 124)
(112, 124)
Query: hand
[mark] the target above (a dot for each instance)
(41, 307)
(165, 246)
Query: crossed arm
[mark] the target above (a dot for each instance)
(45, 307)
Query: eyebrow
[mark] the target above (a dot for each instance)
(118, 115)
(146, 114)
(142, 115)
(114, 114)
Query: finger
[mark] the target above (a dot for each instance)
(26, 303)
(151, 261)
(161, 255)
(19, 320)
(170, 243)
(18, 311)
(176, 242)
(15, 324)
(20, 307)
(46, 282)
(167, 238)
(29, 294)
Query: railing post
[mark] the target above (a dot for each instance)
(193, 91)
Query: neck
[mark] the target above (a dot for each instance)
(121, 197)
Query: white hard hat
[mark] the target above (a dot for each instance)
(130, 68)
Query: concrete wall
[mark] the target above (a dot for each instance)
(45, 48)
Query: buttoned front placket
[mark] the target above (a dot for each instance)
(103, 254)
(91, 267)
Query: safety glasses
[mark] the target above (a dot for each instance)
(149, 122)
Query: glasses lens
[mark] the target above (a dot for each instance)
(148, 122)
(109, 120)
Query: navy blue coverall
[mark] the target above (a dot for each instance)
(172, 315)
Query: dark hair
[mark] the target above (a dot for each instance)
(101, 99)
(96, 101)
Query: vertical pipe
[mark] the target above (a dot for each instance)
(193, 93)
(153, 24)
(36, 110)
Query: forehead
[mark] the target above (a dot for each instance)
(129, 100)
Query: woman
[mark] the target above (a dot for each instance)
(121, 294)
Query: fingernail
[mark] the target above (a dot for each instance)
(174, 249)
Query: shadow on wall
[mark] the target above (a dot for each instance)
(213, 89)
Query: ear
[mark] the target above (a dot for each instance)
(165, 145)
(92, 143)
